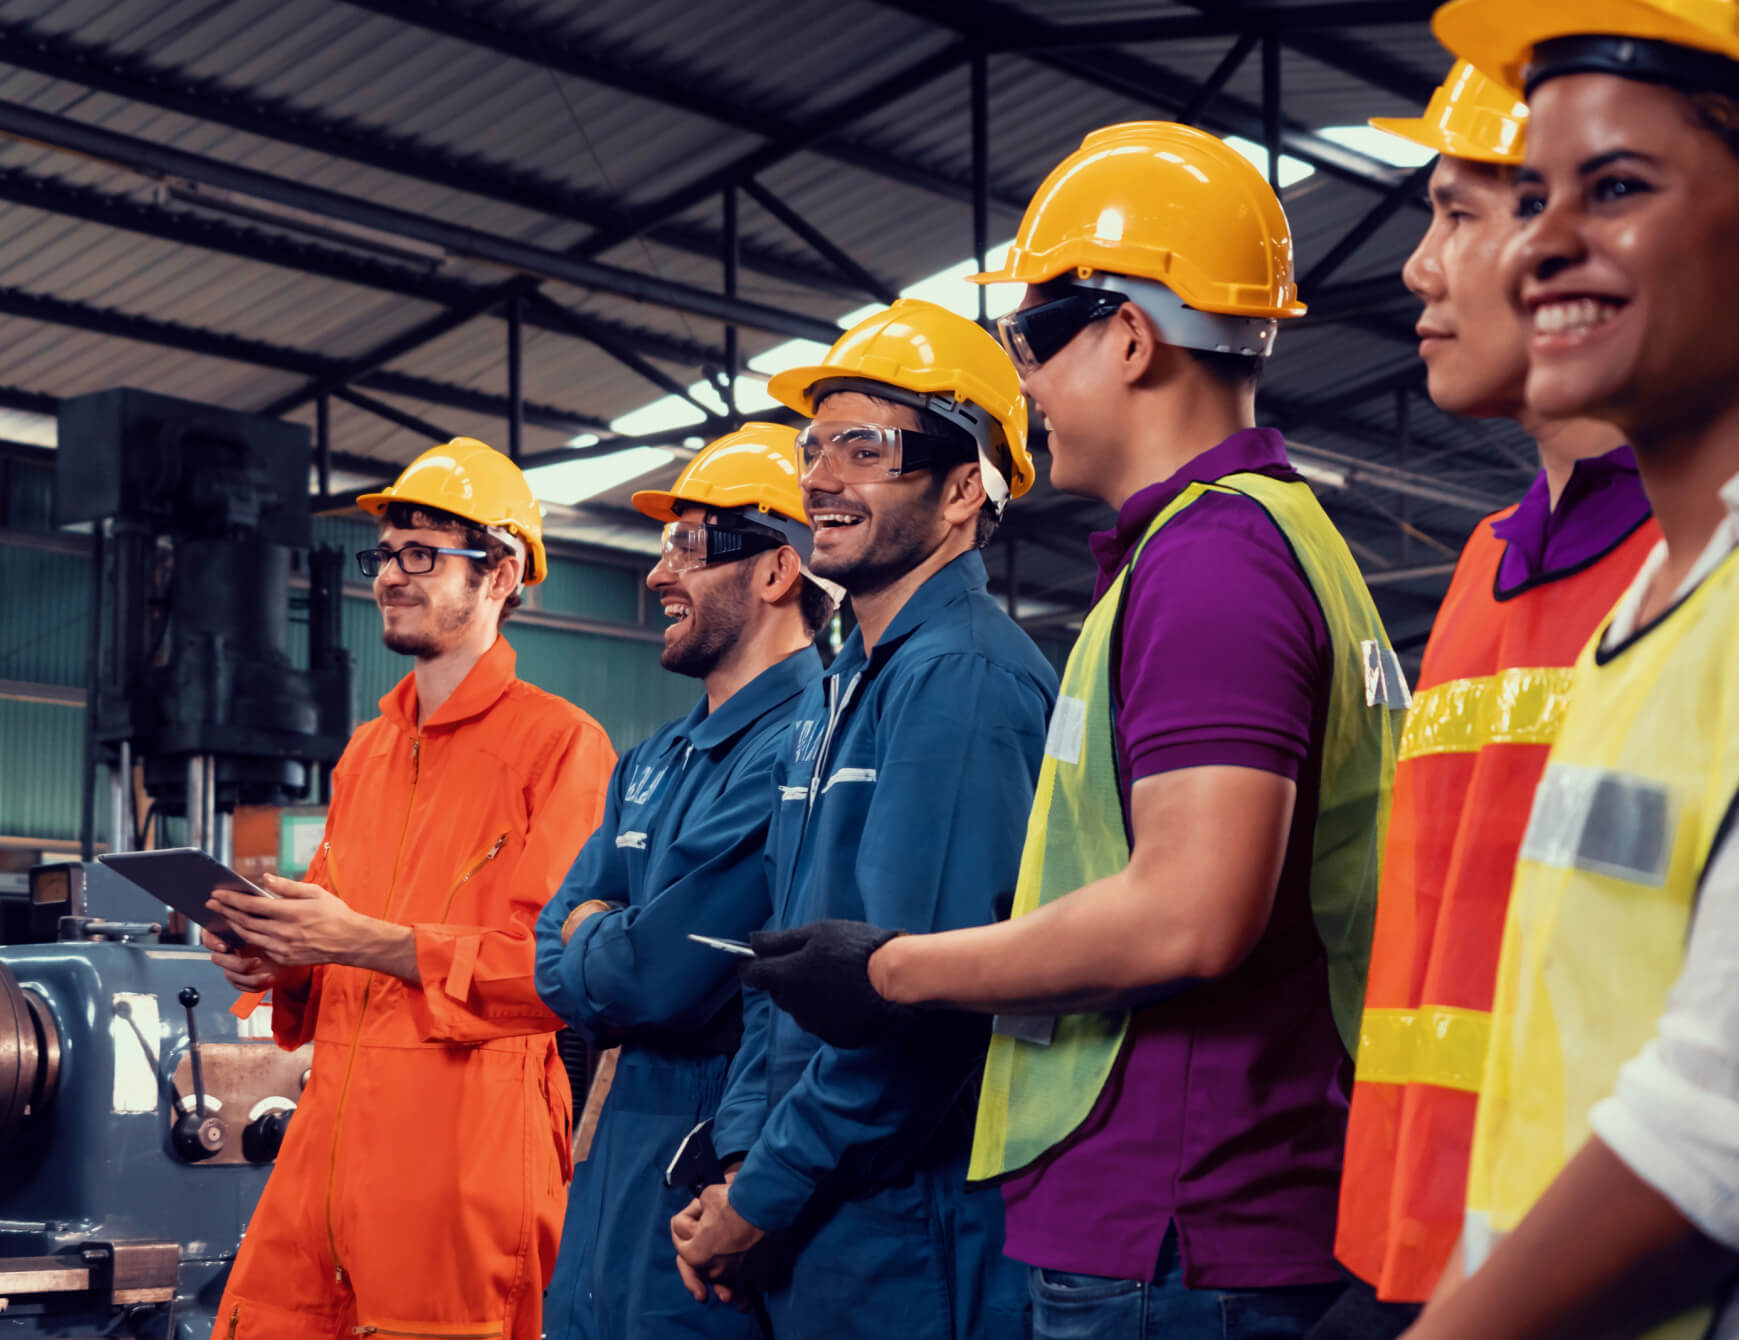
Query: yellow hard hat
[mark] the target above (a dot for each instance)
(1471, 116)
(1166, 202)
(473, 480)
(952, 364)
(756, 466)
(1499, 35)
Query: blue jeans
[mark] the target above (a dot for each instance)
(1090, 1307)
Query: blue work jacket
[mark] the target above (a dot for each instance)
(903, 800)
(681, 845)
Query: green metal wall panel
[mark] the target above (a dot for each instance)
(44, 636)
(41, 756)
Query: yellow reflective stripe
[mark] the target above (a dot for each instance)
(1436, 1044)
(1522, 705)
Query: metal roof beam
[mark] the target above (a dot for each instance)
(1365, 229)
(60, 57)
(588, 58)
(153, 159)
(792, 140)
(394, 415)
(1142, 81)
(277, 357)
(580, 324)
(853, 273)
(248, 243)
(1223, 21)
(424, 332)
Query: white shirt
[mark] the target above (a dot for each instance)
(1673, 1117)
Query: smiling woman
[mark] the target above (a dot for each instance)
(1605, 1162)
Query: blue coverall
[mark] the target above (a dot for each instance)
(682, 845)
(903, 802)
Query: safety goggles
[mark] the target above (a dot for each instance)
(864, 453)
(689, 545)
(1034, 335)
(413, 559)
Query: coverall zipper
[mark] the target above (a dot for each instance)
(446, 1333)
(362, 1011)
(471, 870)
(235, 1316)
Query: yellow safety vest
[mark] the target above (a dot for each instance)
(1626, 815)
(1040, 1085)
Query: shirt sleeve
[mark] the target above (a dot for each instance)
(743, 1110)
(478, 981)
(1222, 646)
(633, 970)
(1673, 1117)
(296, 996)
(940, 844)
(599, 872)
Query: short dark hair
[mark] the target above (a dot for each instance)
(1235, 372)
(415, 516)
(933, 424)
(815, 606)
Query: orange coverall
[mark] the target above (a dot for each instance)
(422, 1182)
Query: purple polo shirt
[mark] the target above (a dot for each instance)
(1226, 1113)
(1602, 502)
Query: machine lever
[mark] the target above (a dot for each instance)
(195, 1135)
(189, 998)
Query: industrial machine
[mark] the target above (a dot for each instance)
(139, 1118)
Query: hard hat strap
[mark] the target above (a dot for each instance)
(1645, 60)
(977, 421)
(795, 534)
(1185, 326)
(514, 544)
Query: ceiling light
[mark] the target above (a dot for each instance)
(575, 481)
(1379, 144)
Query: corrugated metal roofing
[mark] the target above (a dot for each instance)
(786, 60)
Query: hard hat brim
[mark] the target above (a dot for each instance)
(374, 503)
(656, 503)
(1428, 135)
(1497, 35)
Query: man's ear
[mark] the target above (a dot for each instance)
(504, 577)
(780, 577)
(964, 494)
(1144, 356)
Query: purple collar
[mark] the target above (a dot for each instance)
(1602, 502)
(1258, 450)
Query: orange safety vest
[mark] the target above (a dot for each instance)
(1491, 694)
(422, 1182)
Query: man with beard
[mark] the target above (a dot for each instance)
(420, 1188)
(680, 850)
(900, 802)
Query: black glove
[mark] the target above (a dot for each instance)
(819, 975)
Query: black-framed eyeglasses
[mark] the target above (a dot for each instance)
(1034, 335)
(862, 453)
(693, 544)
(413, 559)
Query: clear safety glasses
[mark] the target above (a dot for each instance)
(1034, 335)
(688, 545)
(413, 559)
(863, 453)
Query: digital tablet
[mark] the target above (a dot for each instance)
(183, 878)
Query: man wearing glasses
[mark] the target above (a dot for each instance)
(900, 802)
(1165, 1095)
(681, 851)
(421, 1186)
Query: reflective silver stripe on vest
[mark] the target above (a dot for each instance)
(1385, 681)
(1610, 823)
